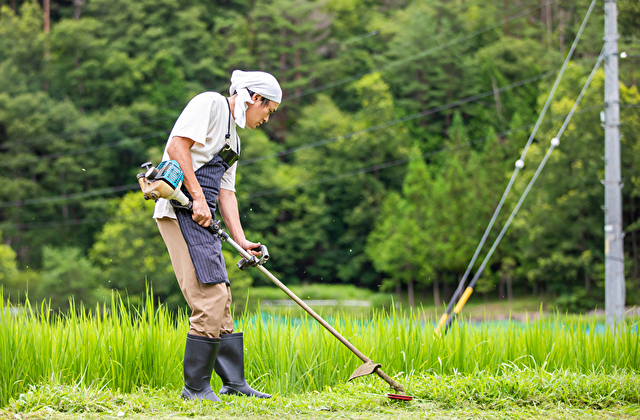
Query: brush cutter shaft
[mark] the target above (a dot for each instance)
(313, 314)
(394, 385)
(215, 228)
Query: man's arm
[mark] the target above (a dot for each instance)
(180, 150)
(228, 205)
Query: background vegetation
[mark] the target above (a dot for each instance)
(396, 139)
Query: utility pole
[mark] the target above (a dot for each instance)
(614, 293)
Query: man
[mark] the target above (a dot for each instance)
(205, 144)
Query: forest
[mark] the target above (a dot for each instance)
(399, 131)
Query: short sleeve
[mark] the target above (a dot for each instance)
(193, 122)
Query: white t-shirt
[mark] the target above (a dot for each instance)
(205, 120)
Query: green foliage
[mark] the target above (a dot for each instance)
(577, 302)
(21, 49)
(8, 266)
(8, 269)
(512, 393)
(329, 216)
(16, 284)
(314, 291)
(628, 17)
(67, 275)
(381, 168)
(397, 244)
(131, 253)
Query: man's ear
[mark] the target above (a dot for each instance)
(256, 97)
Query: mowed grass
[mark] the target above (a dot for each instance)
(123, 360)
(451, 397)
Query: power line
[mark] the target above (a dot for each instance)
(455, 11)
(369, 129)
(305, 184)
(76, 152)
(46, 137)
(401, 161)
(80, 132)
(400, 120)
(295, 149)
(43, 225)
(66, 197)
(401, 24)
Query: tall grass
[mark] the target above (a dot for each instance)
(123, 348)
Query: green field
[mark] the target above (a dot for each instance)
(129, 361)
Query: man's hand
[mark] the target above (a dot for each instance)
(201, 212)
(249, 247)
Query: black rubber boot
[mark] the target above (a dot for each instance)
(199, 357)
(230, 367)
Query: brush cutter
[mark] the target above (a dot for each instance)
(165, 180)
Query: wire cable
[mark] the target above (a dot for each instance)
(92, 193)
(304, 184)
(397, 24)
(79, 132)
(124, 142)
(390, 123)
(404, 160)
(401, 120)
(366, 130)
(45, 138)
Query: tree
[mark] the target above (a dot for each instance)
(8, 271)
(331, 193)
(399, 241)
(131, 254)
(68, 275)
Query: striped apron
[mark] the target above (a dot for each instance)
(205, 248)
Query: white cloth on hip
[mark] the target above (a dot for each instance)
(264, 84)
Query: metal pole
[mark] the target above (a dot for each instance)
(613, 236)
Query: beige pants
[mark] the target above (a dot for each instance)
(210, 303)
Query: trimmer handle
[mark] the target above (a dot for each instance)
(244, 263)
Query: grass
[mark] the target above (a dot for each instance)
(118, 359)
(539, 397)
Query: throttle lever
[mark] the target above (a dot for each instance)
(254, 261)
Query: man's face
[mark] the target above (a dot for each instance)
(258, 114)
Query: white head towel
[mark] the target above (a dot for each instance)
(258, 82)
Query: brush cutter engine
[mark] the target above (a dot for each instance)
(163, 181)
